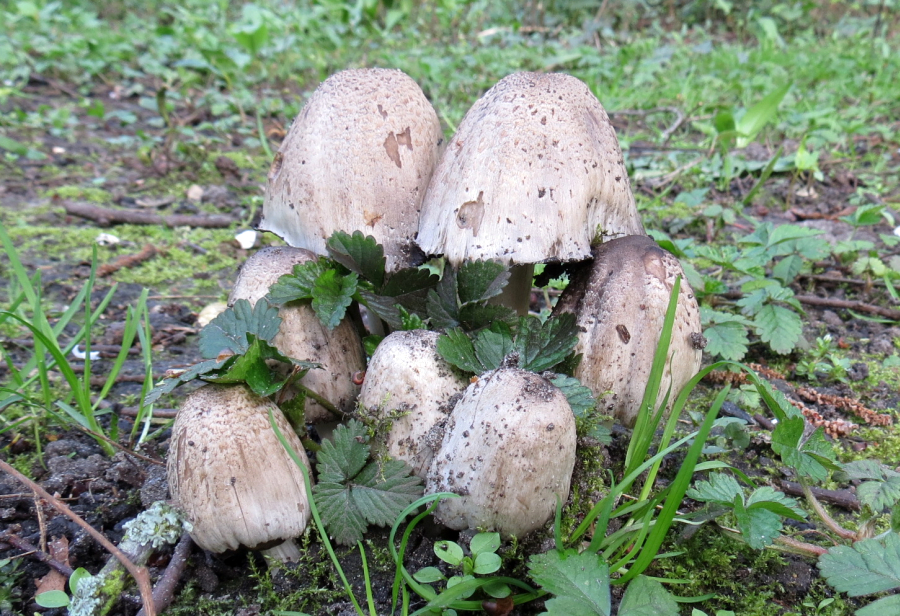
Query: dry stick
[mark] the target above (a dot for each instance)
(126, 261)
(840, 498)
(812, 300)
(20, 544)
(164, 591)
(140, 574)
(118, 446)
(106, 216)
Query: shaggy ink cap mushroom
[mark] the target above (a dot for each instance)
(231, 476)
(533, 174)
(302, 335)
(620, 301)
(357, 158)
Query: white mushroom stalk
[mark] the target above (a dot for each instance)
(508, 451)
(302, 335)
(620, 302)
(231, 476)
(408, 380)
(357, 158)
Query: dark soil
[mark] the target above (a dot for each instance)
(106, 492)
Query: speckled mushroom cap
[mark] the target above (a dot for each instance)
(407, 377)
(508, 450)
(533, 174)
(302, 336)
(357, 158)
(229, 474)
(620, 302)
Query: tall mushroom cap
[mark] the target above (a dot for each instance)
(620, 302)
(229, 474)
(406, 374)
(302, 335)
(357, 158)
(508, 451)
(533, 174)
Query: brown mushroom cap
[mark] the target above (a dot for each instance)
(508, 450)
(229, 474)
(357, 158)
(620, 302)
(302, 335)
(407, 374)
(534, 173)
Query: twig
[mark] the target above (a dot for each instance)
(812, 300)
(20, 544)
(42, 522)
(840, 498)
(106, 216)
(118, 446)
(164, 591)
(140, 574)
(132, 411)
(125, 261)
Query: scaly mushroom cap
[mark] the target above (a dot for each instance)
(620, 302)
(357, 158)
(508, 450)
(407, 375)
(533, 174)
(229, 474)
(302, 335)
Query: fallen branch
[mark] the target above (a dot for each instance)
(839, 498)
(164, 591)
(125, 261)
(140, 574)
(105, 217)
(35, 553)
(812, 300)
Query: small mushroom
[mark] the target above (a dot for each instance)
(620, 301)
(231, 476)
(357, 158)
(302, 335)
(508, 451)
(407, 374)
(534, 174)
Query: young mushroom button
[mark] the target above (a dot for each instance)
(534, 174)
(357, 158)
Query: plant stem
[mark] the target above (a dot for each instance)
(800, 547)
(323, 402)
(830, 522)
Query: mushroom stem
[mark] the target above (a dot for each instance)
(286, 552)
(517, 292)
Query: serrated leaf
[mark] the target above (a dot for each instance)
(410, 321)
(579, 582)
(299, 284)
(442, 304)
(385, 308)
(647, 597)
(543, 345)
(408, 280)
(759, 527)
(580, 398)
(332, 295)
(779, 327)
(481, 280)
(866, 469)
(477, 316)
(812, 458)
(727, 340)
(229, 330)
(493, 345)
(788, 268)
(169, 384)
(879, 495)
(457, 349)
(251, 368)
(868, 567)
(776, 401)
(720, 488)
(359, 253)
(882, 607)
(352, 494)
(767, 497)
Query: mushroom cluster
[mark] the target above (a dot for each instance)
(533, 175)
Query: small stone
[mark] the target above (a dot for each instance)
(858, 371)
(195, 192)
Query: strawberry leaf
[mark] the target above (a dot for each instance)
(359, 253)
(229, 331)
(579, 582)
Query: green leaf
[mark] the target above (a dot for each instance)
(359, 253)
(486, 563)
(788, 268)
(449, 552)
(579, 582)
(879, 496)
(385, 308)
(543, 345)
(779, 327)
(812, 458)
(457, 349)
(332, 295)
(869, 566)
(480, 280)
(493, 345)
(728, 340)
(580, 398)
(885, 605)
(299, 284)
(17, 148)
(720, 488)
(428, 575)
(759, 527)
(169, 384)
(52, 598)
(647, 597)
(476, 316)
(758, 116)
(229, 331)
(442, 303)
(352, 494)
(409, 280)
(865, 469)
(769, 498)
(253, 368)
(484, 542)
